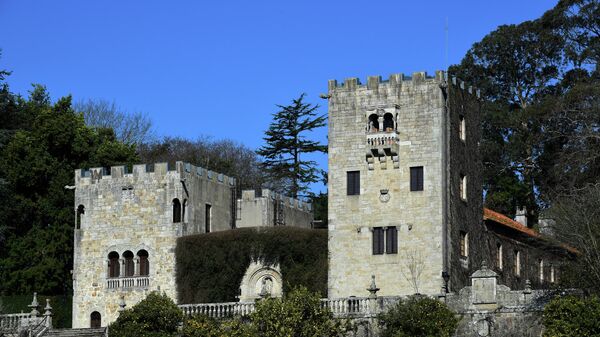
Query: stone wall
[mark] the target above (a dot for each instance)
(267, 208)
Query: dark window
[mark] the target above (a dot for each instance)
(183, 210)
(129, 264)
(80, 212)
(176, 210)
(353, 182)
(377, 240)
(144, 264)
(207, 218)
(113, 264)
(373, 123)
(388, 122)
(95, 320)
(416, 178)
(464, 244)
(391, 240)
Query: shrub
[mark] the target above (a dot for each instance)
(155, 316)
(210, 267)
(418, 316)
(572, 316)
(203, 326)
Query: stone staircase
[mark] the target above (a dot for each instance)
(76, 333)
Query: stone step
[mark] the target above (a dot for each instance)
(76, 333)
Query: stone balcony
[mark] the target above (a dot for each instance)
(380, 144)
(133, 282)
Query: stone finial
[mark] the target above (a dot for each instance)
(373, 287)
(484, 265)
(48, 314)
(34, 306)
(122, 304)
(527, 289)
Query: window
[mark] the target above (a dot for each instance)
(176, 210)
(416, 178)
(207, 218)
(95, 320)
(80, 212)
(144, 264)
(113, 264)
(377, 240)
(462, 128)
(183, 209)
(388, 122)
(541, 263)
(462, 188)
(499, 256)
(129, 264)
(391, 240)
(373, 123)
(552, 279)
(353, 182)
(517, 263)
(464, 244)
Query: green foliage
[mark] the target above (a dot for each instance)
(155, 316)
(62, 307)
(572, 316)
(286, 142)
(203, 326)
(210, 266)
(418, 316)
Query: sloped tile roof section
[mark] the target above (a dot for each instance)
(505, 221)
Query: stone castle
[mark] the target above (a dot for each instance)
(405, 205)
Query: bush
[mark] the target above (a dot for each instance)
(155, 316)
(203, 326)
(572, 316)
(210, 267)
(418, 316)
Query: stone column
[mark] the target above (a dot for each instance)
(48, 314)
(373, 308)
(122, 268)
(136, 268)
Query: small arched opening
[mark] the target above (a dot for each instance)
(388, 122)
(129, 264)
(113, 264)
(176, 210)
(373, 123)
(144, 263)
(95, 320)
(80, 212)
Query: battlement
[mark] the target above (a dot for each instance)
(399, 80)
(91, 175)
(248, 195)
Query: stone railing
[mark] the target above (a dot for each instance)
(347, 306)
(32, 324)
(13, 321)
(382, 144)
(219, 310)
(128, 282)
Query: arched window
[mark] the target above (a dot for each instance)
(388, 122)
(129, 264)
(80, 211)
(113, 264)
(176, 210)
(144, 264)
(95, 320)
(373, 123)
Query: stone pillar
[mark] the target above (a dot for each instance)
(34, 306)
(136, 268)
(122, 268)
(373, 307)
(483, 288)
(48, 314)
(122, 305)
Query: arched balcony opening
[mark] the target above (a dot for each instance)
(373, 123)
(144, 263)
(80, 212)
(129, 264)
(388, 122)
(176, 210)
(113, 265)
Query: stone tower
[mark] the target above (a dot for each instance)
(405, 200)
(126, 230)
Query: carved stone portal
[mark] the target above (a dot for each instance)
(261, 281)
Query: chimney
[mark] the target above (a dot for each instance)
(521, 216)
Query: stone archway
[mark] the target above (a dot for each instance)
(261, 280)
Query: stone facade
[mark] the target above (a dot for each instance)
(128, 223)
(267, 208)
(426, 218)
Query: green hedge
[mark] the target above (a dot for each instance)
(210, 267)
(62, 307)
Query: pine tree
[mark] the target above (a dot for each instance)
(285, 142)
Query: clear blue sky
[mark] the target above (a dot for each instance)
(218, 68)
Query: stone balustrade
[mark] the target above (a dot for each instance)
(382, 144)
(347, 306)
(128, 282)
(13, 321)
(219, 310)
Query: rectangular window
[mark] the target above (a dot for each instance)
(517, 263)
(464, 244)
(207, 218)
(391, 240)
(541, 270)
(353, 182)
(377, 240)
(462, 188)
(462, 128)
(552, 273)
(416, 178)
(499, 256)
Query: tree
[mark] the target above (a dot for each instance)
(572, 316)
(130, 128)
(286, 143)
(155, 316)
(418, 316)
